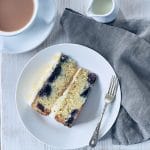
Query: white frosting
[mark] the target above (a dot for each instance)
(44, 76)
(57, 104)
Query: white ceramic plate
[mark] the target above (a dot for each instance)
(48, 130)
(36, 34)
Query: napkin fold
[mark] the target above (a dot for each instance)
(125, 44)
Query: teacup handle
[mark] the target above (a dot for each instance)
(48, 20)
(89, 4)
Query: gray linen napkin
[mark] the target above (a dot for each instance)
(129, 55)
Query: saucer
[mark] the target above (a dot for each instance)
(35, 34)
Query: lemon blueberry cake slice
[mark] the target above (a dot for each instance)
(57, 79)
(69, 105)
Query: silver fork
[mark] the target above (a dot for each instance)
(109, 97)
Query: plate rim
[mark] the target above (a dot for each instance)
(19, 77)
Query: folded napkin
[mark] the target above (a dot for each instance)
(126, 46)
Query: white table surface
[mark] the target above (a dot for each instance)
(14, 135)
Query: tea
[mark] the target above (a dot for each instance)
(15, 14)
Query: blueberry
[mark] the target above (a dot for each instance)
(85, 93)
(74, 112)
(64, 58)
(69, 121)
(92, 78)
(40, 106)
(45, 91)
(55, 73)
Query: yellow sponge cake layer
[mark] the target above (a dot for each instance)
(58, 79)
(68, 106)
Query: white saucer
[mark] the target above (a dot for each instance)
(48, 130)
(36, 34)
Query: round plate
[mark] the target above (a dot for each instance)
(35, 34)
(48, 130)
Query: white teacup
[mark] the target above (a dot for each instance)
(27, 25)
(100, 16)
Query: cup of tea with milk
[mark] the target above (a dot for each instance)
(16, 16)
(103, 10)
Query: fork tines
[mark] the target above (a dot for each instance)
(113, 86)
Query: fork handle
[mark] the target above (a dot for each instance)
(94, 138)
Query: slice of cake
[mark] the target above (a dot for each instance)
(57, 79)
(68, 106)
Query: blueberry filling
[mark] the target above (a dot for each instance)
(91, 78)
(40, 106)
(55, 73)
(64, 58)
(69, 121)
(74, 112)
(45, 91)
(72, 117)
(85, 93)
